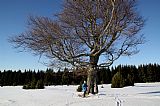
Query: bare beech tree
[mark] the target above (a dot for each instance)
(83, 32)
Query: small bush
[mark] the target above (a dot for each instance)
(28, 86)
(102, 84)
(40, 84)
(119, 80)
(34, 85)
(79, 89)
(24, 87)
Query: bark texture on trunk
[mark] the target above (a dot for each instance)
(92, 76)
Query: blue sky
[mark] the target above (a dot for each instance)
(13, 19)
(150, 51)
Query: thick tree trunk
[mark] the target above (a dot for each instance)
(92, 76)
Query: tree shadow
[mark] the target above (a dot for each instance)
(144, 86)
(103, 94)
(155, 92)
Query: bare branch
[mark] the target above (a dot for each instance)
(84, 31)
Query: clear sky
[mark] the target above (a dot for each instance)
(13, 19)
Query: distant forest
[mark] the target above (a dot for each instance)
(141, 74)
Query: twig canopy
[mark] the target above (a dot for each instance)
(85, 30)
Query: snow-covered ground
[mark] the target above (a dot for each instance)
(142, 94)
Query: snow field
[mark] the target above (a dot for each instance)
(142, 94)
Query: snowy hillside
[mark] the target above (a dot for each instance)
(142, 94)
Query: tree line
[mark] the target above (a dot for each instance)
(140, 74)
